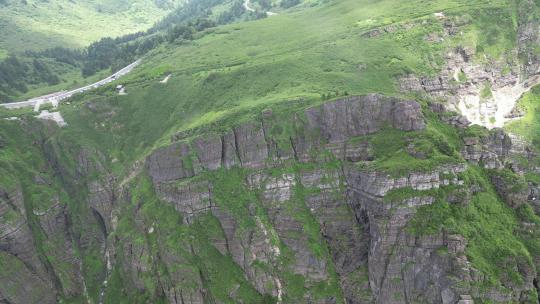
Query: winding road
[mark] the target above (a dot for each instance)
(247, 7)
(250, 9)
(55, 98)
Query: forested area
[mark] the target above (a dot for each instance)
(17, 74)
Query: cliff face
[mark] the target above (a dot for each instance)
(301, 207)
(53, 236)
(290, 198)
(305, 201)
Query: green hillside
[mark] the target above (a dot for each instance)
(55, 66)
(37, 25)
(309, 55)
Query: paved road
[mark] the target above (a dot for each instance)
(247, 7)
(250, 9)
(55, 98)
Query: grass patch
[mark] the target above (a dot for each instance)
(529, 125)
(485, 92)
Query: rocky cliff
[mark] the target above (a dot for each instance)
(303, 207)
(356, 211)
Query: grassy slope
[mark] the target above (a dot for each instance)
(529, 126)
(38, 24)
(251, 65)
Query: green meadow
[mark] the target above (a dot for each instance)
(37, 25)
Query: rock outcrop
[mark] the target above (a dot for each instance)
(329, 126)
(26, 278)
(371, 250)
(483, 89)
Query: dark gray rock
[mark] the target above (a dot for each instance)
(437, 107)
(364, 115)
(62, 256)
(101, 198)
(209, 152)
(251, 145)
(230, 157)
(24, 278)
(249, 249)
(490, 151)
(336, 122)
(188, 198)
(347, 235)
(171, 163)
(435, 85)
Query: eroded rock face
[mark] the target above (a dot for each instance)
(101, 197)
(375, 257)
(55, 224)
(366, 236)
(402, 266)
(257, 145)
(346, 233)
(24, 278)
(169, 163)
(497, 151)
(314, 212)
(491, 152)
(188, 198)
(363, 233)
(67, 238)
(250, 145)
(485, 93)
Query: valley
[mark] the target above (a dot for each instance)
(37, 25)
